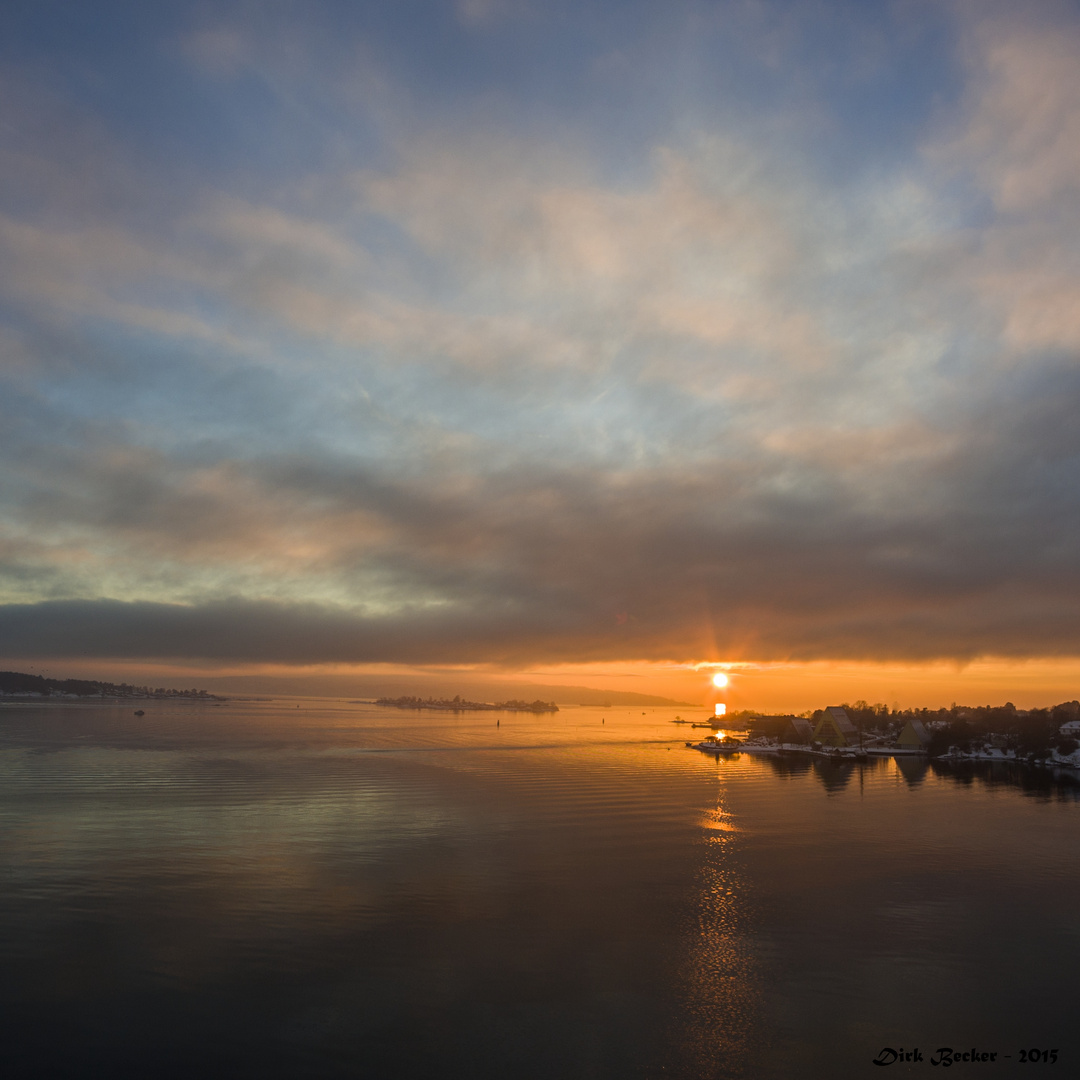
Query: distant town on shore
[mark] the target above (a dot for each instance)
(988, 732)
(19, 684)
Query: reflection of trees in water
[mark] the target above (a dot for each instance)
(1047, 784)
(835, 775)
(721, 999)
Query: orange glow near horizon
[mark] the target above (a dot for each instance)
(766, 687)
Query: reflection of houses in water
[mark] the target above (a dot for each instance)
(834, 775)
(913, 769)
(836, 729)
(835, 772)
(914, 736)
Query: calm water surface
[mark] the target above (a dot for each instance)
(261, 889)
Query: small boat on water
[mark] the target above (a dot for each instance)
(717, 744)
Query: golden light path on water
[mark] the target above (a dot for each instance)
(722, 1002)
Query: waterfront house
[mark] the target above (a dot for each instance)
(913, 736)
(836, 729)
(1071, 728)
(797, 730)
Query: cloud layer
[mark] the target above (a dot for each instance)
(652, 348)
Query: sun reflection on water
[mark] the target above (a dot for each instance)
(720, 981)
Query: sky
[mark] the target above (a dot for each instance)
(581, 338)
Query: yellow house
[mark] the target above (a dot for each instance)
(836, 729)
(913, 737)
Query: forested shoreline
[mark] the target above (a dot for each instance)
(21, 684)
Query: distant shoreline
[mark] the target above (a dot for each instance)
(106, 699)
(23, 686)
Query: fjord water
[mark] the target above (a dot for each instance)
(319, 888)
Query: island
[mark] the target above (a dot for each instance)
(458, 705)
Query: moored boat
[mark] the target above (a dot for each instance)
(718, 744)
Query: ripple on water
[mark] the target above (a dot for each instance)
(307, 891)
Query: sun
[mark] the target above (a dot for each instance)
(719, 679)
